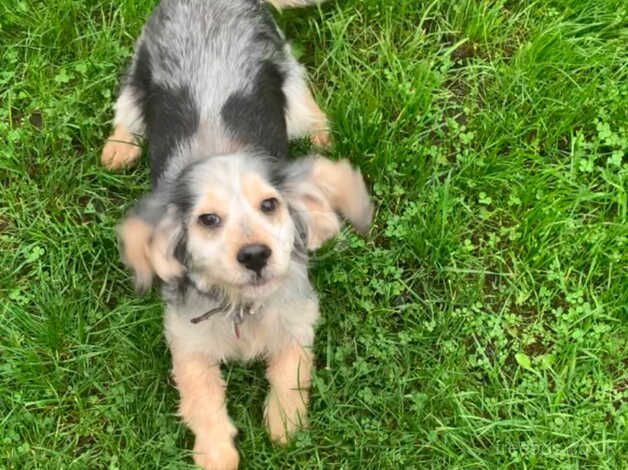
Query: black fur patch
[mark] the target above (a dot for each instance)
(181, 249)
(277, 174)
(170, 114)
(141, 74)
(258, 119)
(180, 194)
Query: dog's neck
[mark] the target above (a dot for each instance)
(227, 304)
(238, 311)
(224, 302)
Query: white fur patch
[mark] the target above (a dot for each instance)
(303, 116)
(128, 113)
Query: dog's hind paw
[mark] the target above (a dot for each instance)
(321, 139)
(120, 150)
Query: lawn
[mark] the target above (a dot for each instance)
(483, 322)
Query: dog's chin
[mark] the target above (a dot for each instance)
(259, 289)
(248, 288)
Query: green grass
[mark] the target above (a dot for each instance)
(483, 322)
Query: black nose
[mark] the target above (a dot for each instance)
(254, 256)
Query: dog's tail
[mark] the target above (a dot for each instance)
(281, 4)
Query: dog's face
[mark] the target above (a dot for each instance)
(224, 224)
(240, 233)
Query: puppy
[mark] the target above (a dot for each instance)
(228, 224)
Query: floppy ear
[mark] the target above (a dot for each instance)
(319, 189)
(148, 239)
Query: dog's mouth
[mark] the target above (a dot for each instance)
(248, 286)
(259, 286)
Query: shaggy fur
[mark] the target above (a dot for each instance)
(226, 229)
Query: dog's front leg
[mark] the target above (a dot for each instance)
(203, 409)
(286, 406)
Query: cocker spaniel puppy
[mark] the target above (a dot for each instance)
(215, 90)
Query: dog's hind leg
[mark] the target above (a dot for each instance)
(122, 148)
(303, 115)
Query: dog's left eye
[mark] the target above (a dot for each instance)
(209, 220)
(269, 205)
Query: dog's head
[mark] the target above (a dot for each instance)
(236, 222)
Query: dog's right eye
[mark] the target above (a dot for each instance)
(209, 220)
(269, 205)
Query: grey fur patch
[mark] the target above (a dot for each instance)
(299, 249)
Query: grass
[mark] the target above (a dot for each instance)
(483, 322)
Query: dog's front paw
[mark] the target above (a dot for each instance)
(282, 422)
(321, 139)
(210, 454)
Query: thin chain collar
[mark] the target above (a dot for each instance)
(238, 312)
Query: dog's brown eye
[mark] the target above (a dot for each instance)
(209, 220)
(269, 205)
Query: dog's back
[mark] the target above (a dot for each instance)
(208, 75)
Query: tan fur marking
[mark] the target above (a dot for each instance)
(303, 115)
(328, 188)
(234, 238)
(213, 202)
(135, 236)
(345, 190)
(286, 406)
(323, 223)
(121, 149)
(255, 190)
(161, 249)
(202, 408)
(319, 136)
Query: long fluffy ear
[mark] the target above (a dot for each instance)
(319, 189)
(148, 238)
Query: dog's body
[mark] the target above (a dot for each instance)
(217, 93)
